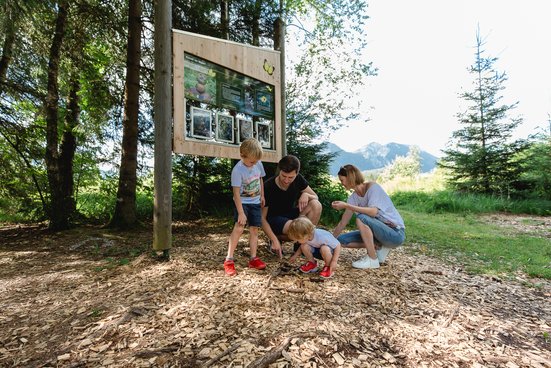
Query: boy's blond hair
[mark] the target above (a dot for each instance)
(251, 148)
(301, 228)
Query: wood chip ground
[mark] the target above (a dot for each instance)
(65, 302)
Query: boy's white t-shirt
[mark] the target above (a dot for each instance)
(248, 180)
(376, 196)
(323, 237)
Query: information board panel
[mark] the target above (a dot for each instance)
(225, 92)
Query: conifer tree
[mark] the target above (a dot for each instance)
(481, 155)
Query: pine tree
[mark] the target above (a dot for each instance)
(481, 155)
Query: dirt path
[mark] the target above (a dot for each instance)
(66, 301)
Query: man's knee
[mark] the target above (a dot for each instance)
(315, 205)
(313, 211)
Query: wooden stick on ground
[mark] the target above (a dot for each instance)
(451, 317)
(211, 361)
(154, 352)
(274, 354)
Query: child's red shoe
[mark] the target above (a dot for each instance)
(309, 267)
(257, 263)
(229, 268)
(326, 272)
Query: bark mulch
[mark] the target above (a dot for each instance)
(82, 298)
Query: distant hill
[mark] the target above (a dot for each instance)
(376, 156)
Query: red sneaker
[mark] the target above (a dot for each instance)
(309, 267)
(229, 268)
(257, 263)
(326, 272)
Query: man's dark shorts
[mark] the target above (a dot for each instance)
(278, 222)
(252, 212)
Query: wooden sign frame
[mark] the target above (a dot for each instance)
(241, 63)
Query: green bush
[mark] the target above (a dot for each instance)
(328, 192)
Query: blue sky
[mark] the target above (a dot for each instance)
(423, 49)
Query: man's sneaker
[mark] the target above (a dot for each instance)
(309, 267)
(229, 268)
(366, 262)
(257, 263)
(326, 272)
(382, 253)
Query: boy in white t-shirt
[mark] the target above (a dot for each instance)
(248, 195)
(314, 243)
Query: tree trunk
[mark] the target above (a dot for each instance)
(255, 31)
(7, 52)
(67, 150)
(59, 218)
(224, 20)
(125, 209)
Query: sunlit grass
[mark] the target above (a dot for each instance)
(481, 247)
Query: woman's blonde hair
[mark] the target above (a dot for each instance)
(301, 228)
(251, 148)
(352, 173)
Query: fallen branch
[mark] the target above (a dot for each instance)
(113, 325)
(274, 354)
(433, 272)
(211, 361)
(154, 352)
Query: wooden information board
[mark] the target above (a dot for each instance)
(225, 92)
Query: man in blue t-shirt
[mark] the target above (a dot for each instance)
(288, 196)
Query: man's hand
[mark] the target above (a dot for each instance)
(276, 248)
(303, 201)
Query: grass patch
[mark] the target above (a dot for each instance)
(480, 247)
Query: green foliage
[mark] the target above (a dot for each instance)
(447, 201)
(328, 192)
(535, 180)
(201, 185)
(96, 204)
(404, 166)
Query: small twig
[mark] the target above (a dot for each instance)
(274, 354)
(112, 326)
(209, 362)
(154, 352)
(433, 272)
(290, 290)
(451, 317)
(269, 281)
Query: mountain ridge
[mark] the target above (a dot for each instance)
(375, 156)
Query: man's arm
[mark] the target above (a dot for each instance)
(276, 245)
(306, 196)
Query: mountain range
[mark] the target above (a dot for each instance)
(375, 156)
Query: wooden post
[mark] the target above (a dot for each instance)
(162, 111)
(282, 30)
